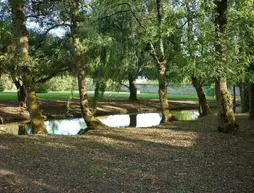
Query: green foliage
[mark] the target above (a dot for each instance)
(43, 88)
(6, 83)
(59, 83)
(114, 36)
(62, 83)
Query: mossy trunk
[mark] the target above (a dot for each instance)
(162, 67)
(166, 114)
(227, 123)
(37, 121)
(226, 116)
(251, 98)
(203, 103)
(244, 94)
(204, 108)
(133, 88)
(91, 121)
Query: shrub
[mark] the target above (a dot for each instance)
(6, 83)
(43, 88)
(62, 83)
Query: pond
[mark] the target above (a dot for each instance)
(73, 126)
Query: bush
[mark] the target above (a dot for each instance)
(43, 88)
(6, 83)
(62, 83)
(210, 90)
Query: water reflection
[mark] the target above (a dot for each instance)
(145, 119)
(73, 126)
(65, 127)
(133, 120)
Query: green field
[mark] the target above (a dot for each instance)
(66, 95)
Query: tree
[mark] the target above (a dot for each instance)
(196, 81)
(118, 21)
(251, 91)
(162, 64)
(23, 60)
(91, 121)
(227, 122)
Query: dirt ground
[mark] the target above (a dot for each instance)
(177, 157)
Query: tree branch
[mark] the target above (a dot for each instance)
(49, 29)
(34, 16)
(124, 85)
(56, 26)
(42, 80)
(128, 10)
(153, 54)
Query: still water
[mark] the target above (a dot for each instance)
(73, 126)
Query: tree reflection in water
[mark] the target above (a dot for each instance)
(133, 120)
(73, 126)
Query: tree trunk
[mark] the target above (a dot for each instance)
(227, 123)
(244, 94)
(166, 115)
(226, 116)
(204, 108)
(36, 118)
(133, 89)
(21, 93)
(96, 96)
(234, 99)
(21, 96)
(162, 66)
(217, 90)
(91, 121)
(22, 129)
(251, 99)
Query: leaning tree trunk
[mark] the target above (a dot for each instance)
(204, 108)
(133, 88)
(244, 94)
(36, 118)
(162, 67)
(203, 103)
(227, 123)
(251, 98)
(91, 121)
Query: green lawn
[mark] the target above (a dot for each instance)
(66, 95)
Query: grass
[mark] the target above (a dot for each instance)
(66, 95)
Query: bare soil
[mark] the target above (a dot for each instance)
(177, 157)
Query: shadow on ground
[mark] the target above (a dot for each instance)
(182, 156)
